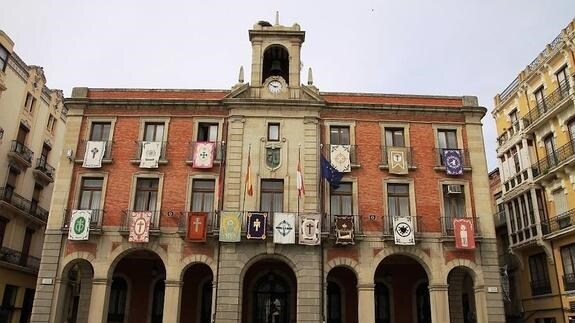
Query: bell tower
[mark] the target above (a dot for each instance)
(276, 60)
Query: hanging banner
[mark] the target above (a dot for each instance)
(464, 233)
(94, 154)
(151, 151)
(403, 230)
(397, 160)
(256, 226)
(339, 158)
(197, 226)
(284, 228)
(452, 161)
(344, 230)
(140, 226)
(79, 225)
(309, 229)
(230, 226)
(204, 154)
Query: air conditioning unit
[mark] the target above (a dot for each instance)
(454, 189)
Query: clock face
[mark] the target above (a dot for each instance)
(275, 87)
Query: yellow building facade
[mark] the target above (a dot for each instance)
(535, 118)
(32, 124)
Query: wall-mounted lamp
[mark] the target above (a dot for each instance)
(69, 154)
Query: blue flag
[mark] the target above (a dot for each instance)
(332, 175)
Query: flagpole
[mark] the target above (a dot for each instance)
(298, 176)
(247, 172)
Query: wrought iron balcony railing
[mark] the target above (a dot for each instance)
(220, 151)
(549, 103)
(82, 151)
(385, 156)
(569, 281)
(139, 146)
(96, 219)
(29, 207)
(154, 221)
(559, 155)
(540, 287)
(329, 223)
(212, 222)
(44, 167)
(352, 153)
(559, 222)
(18, 258)
(22, 151)
(447, 226)
(388, 224)
(439, 153)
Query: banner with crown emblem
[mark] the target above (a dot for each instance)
(140, 226)
(403, 230)
(204, 154)
(339, 158)
(151, 151)
(310, 229)
(256, 226)
(80, 225)
(284, 228)
(197, 226)
(230, 226)
(344, 230)
(452, 161)
(397, 160)
(94, 154)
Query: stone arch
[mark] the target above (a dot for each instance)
(472, 268)
(124, 249)
(73, 257)
(194, 260)
(348, 263)
(280, 257)
(415, 253)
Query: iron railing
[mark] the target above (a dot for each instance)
(558, 222)
(388, 224)
(329, 222)
(510, 89)
(212, 222)
(18, 258)
(82, 150)
(139, 145)
(220, 151)
(96, 219)
(21, 150)
(558, 156)
(353, 158)
(540, 287)
(439, 160)
(44, 167)
(385, 155)
(30, 207)
(509, 133)
(500, 219)
(154, 221)
(549, 103)
(569, 281)
(447, 226)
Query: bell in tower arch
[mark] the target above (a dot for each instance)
(276, 68)
(276, 62)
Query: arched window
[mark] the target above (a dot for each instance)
(276, 63)
(158, 302)
(117, 304)
(382, 304)
(333, 303)
(271, 297)
(423, 303)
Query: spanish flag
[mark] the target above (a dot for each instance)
(249, 187)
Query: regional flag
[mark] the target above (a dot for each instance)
(140, 226)
(464, 233)
(197, 226)
(79, 225)
(256, 226)
(249, 188)
(452, 161)
(299, 181)
(284, 228)
(94, 154)
(309, 232)
(344, 230)
(230, 226)
(204, 154)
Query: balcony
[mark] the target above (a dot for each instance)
(106, 159)
(508, 134)
(95, 221)
(20, 154)
(540, 287)
(44, 172)
(212, 224)
(439, 164)
(569, 282)
(547, 107)
(17, 258)
(385, 156)
(558, 223)
(388, 233)
(163, 152)
(328, 224)
(447, 226)
(559, 158)
(154, 222)
(352, 154)
(500, 219)
(516, 180)
(16, 203)
(219, 151)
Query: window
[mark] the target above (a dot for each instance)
(146, 194)
(273, 131)
(394, 137)
(207, 132)
(30, 102)
(100, 131)
(26, 246)
(22, 134)
(549, 143)
(560, 202)
(539, 98)
(2, 229)
(203, 195)
(3, 58)
(571, 127)
(339, 135)
(398, 199)
(514, 121)
(8, 303)
(154, 131)
(272, 195)
(454, 201)
(539, 276)
(515, 159)
(447, 138)
(35, 198)
(51, 123)
(10, 184)
(90, 193)
(561, 76)
(568, 260)
(117, 304)
(341, 199)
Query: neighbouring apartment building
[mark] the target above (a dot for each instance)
(535, 117)
(32, 125)
(270, 202)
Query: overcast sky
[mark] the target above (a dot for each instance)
(442, 47)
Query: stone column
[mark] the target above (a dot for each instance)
(366, 303)
(172, 295)
(439, 299)
(481, 304)
(99, 300)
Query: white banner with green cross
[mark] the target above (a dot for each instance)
(80, 225)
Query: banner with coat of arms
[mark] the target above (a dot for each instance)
(339, 158)
(230, 226)
(403, 230)
(452, 161)
(256, 226)
(151, 151)
(397, 160)
(344, 230)
(94, 154)
(309, 229)
(204, 152)
(284, 228)
(140, 226)
(80, 225)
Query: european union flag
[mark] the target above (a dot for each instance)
(332, 175)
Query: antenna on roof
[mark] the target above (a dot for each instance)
(277, 18)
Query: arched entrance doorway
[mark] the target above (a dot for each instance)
(341, 296)
(137, 289)
(461, 296)
(269, 293)
(401, 291)
(75, 291)
(196, 304)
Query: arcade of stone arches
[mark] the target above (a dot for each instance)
(137, 290)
